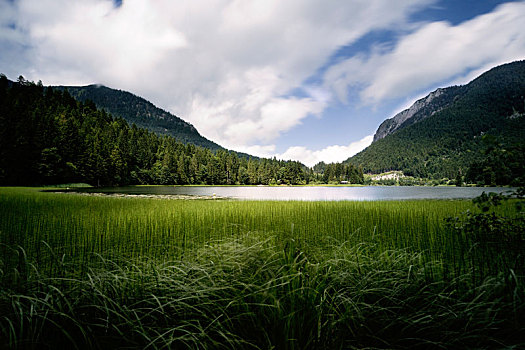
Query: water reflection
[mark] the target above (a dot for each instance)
(325, 193)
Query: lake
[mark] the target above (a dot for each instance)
(308, 193)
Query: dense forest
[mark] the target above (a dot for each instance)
(48, 137)
(501, 165)
(450, 140)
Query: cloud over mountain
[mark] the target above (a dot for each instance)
(434, 53)
(241, 71)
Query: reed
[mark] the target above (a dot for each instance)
(97, 272)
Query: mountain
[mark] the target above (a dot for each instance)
(425, 107)
(442, 134)
(144, 114)
(48, 137)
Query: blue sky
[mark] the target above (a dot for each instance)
(309, 80)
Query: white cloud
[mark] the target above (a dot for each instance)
(330, 154)
(434, 53)
(258, 116)
(81, 41)
(7, 13)
(264, 151)
(227, 66)
(12, 40)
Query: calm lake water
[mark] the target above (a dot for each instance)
(314, 193)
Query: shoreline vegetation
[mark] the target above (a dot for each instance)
(48, 137)
(102, 272)
(84, 185)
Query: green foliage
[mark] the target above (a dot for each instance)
(338, 172)
(90, 272)
(501, 165)
(493, 236)
(47, 137)
(246, 294)
(450, 138)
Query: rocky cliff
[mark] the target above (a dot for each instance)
(421, 109)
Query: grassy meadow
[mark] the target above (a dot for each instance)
(82, 271)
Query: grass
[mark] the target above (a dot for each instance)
(98, 272)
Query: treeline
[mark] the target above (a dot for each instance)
(48, 137)
(337, 173)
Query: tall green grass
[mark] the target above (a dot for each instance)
(80, 225)
(98, 272)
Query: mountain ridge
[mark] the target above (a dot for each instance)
(444, 137)
(419, 110)
(137, 110)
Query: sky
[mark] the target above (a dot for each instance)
(307, 80)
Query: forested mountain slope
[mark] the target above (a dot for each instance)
(447, 140)
(136, 110)
(48, 137)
